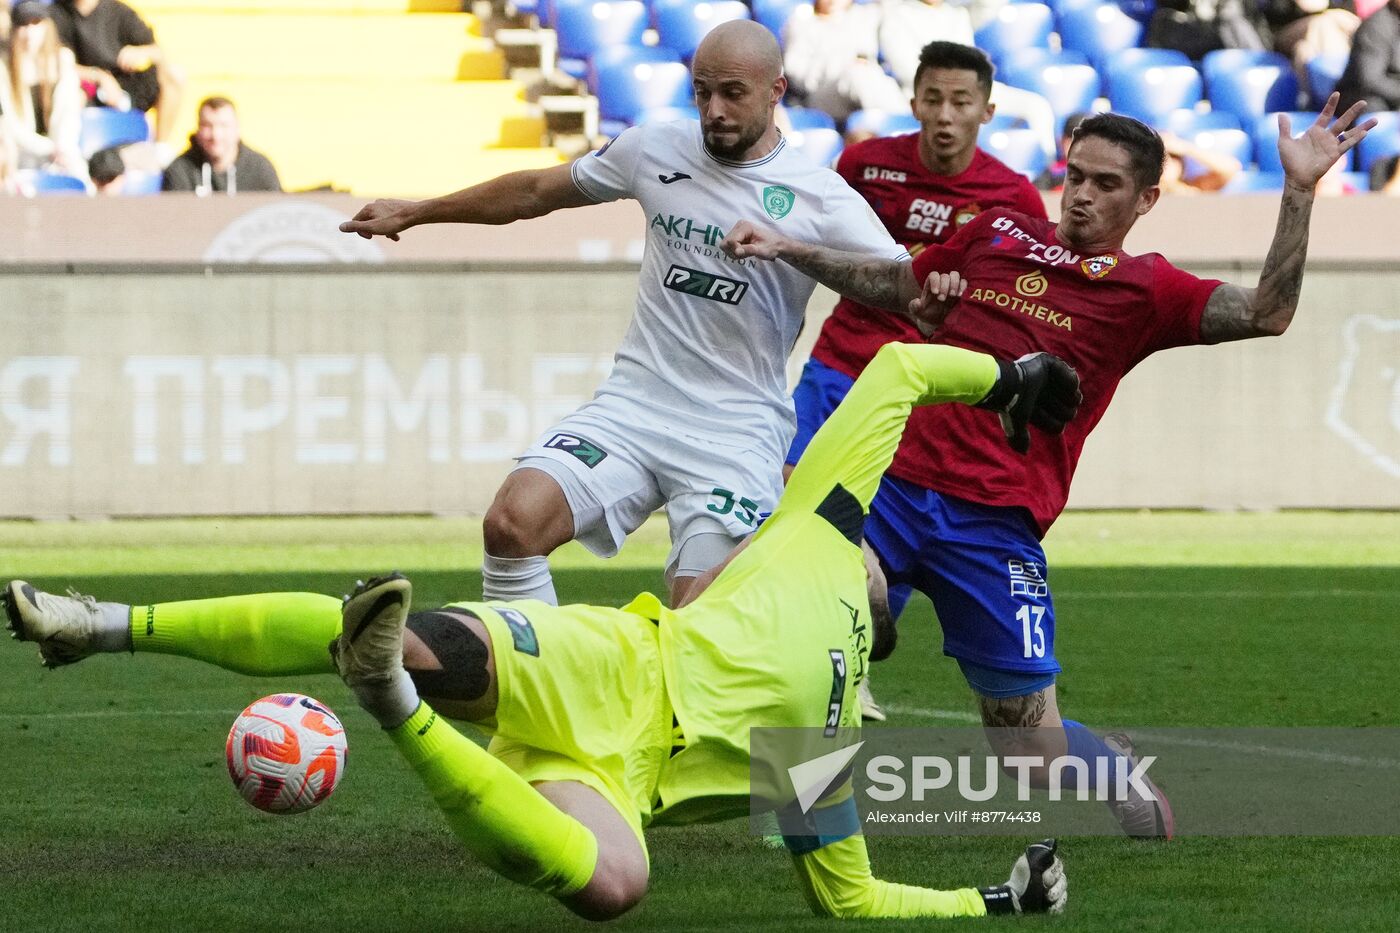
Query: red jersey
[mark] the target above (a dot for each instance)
(918, 208)
(1026, 292)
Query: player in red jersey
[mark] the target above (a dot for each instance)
(924, 187)
(961, 521)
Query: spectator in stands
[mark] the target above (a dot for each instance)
(1053, 178)
(1196, 27)
(107, 170)
(119, 59)
(1385, 175)
(40, 96)
(1305, 29)
(1373, 71)
(217, 160)
(1212, 170)
(831, 57)
(906, 26)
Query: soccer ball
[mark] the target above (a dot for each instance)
(286, 753)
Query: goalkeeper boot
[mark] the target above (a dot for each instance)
(870, 710)
(66, 628)
(369, 651)
(1037, 884)
(1144, 816)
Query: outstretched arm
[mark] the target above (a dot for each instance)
(508, 198)
(1235, 313)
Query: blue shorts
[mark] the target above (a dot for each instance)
(981, 565)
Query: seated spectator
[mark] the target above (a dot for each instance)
(217, 160)
(40, 97)
(1212, 170)
(107, 171)
(906, 26)
(1385, 175)
(831, 60)
(1373, 71)
(1196, 27)
(119, 59)
(1305, 29)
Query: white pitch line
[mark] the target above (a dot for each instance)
(1220, 594)
(1187, 741)
(115, 713)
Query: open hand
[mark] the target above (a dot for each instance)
(1308, 157)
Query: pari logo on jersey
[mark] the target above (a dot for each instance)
(585, 450)
(705, 285)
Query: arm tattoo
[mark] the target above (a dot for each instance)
(868, 279)
(1234, 313)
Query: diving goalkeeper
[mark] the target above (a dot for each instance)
(605, 721)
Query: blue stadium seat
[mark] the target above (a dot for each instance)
(51, 183)
(775, 13)
(822, 146)
(1016, 26)
(1188, 122)
(628, 89)
(681, 24)
(140, 184)
(880, 123)
(1252, 182)
(1229, 142)
(1145, 58)
(1381, 142)
(625, 55)
(1069, 88)
(669, 114)
(1025, 59)
(1019, 149)
(586, 29)
(1099, 31)
(809, 118)
(1323, 72)
(1249, 84)
(103, 127)
(1004, 121)
(1266, 138)
(1151, 92)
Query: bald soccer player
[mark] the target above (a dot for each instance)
(695, 415)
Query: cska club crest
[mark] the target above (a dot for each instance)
(966, 213)
(1097, 267)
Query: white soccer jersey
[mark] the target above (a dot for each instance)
(710, 338)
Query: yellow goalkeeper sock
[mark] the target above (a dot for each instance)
(263, 634)
(498, 816)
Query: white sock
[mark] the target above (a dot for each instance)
(115, 633)
(512, 578)
(390, 701)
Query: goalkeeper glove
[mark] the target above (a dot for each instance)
(1037, 884)
(1037, 389)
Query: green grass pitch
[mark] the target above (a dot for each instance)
(117, 812)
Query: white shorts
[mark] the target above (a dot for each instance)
(617, 463)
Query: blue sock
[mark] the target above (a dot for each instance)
(1084, 744)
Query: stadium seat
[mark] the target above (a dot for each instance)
(1266, 138)
(1253, 182)
(1016, 26)
(1229, 142)
(1019, 149)
(51, 183)
(628, 89)
(809, 118)
(104, 127)
(822, 146)
(141, 184)
(681, 24)
(1151, 92)
(583, 30)
(1146, 58)
(1323, 72)
(1249, 84)
(1188, 122)
(775, 13)
(1025, 59)
(669, 114)
(1099, 31)
(1004, 121)
(1381, 142)
(880, 123)
(1069, 88)
(625, 55)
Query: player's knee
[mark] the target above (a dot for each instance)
(526, 521)
(449, 661)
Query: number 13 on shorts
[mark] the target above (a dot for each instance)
(1032, 635)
